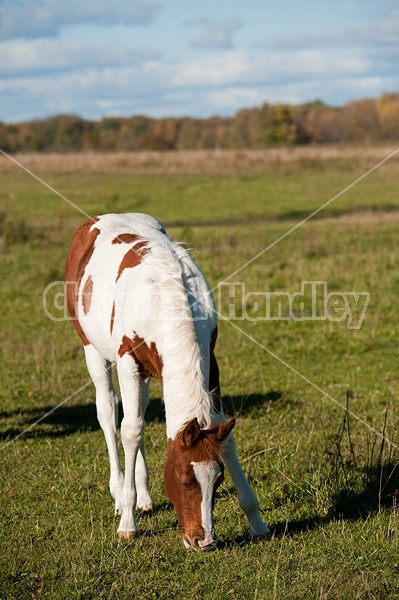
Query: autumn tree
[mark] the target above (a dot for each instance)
(189, 133)
(362, 121)
(243, 129)
(387, 107)
(276, 125)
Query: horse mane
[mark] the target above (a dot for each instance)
(183, 363)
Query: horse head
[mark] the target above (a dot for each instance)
(193, 472)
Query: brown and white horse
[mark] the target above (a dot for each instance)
(138, 299)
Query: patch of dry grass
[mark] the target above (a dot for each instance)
(203, 162)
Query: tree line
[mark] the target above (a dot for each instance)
(361, 121)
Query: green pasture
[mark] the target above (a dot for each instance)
(327, 478)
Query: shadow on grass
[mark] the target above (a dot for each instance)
(64, 421)
(255, 404)
(68, 420)
(380, 491)
(289, 215)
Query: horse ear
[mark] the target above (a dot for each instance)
(191, 432)
(226, 428)
(220, 431)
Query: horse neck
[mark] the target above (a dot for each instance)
(185, 376)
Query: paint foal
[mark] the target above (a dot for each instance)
(139, 300)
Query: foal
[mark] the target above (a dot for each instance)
(137, 299)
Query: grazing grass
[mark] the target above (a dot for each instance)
(327, 482)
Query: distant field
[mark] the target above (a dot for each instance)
(201, 188)
(328, 484)
(203, 162)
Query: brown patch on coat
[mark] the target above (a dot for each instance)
(126, 238)
(214, 382)
(111, 327)
(146, 357)
(86, 294)
(135, 255)
(79, 254)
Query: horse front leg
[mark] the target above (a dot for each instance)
(144, 500)
(132, 430)
(246, 497)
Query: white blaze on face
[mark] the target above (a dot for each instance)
(207, 473)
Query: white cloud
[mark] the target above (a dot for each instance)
(38, 18)
(384, 33)
(42, 76)
(198, 87)
(250, 68)
(212, 71)
(233, 98)
(40, 56)
(215, 35)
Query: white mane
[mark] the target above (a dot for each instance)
(186, 393)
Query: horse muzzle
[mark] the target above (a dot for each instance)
(209, 543)
(196, 542)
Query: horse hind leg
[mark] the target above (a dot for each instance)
(132, 430)
(100, 371)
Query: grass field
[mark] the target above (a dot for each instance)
(327, 478)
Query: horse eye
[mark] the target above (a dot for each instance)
(186, 486)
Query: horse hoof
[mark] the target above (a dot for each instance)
(126, 535)
(147, 508)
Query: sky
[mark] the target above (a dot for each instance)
(173, 58)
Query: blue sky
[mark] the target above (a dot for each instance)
(163, 58)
